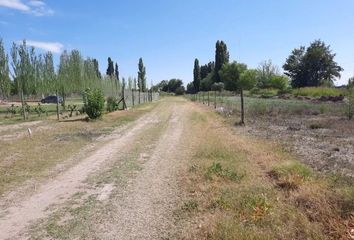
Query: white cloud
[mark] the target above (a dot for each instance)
(35, 7)
(15, 4)
(54, 47)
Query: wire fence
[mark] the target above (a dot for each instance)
(230, 103)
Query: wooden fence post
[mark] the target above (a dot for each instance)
(208, 98)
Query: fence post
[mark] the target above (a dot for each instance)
(203, 97)
(133, 97)
(139, 95)
(208, 98)
(215, 99)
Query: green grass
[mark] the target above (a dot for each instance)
(318, 91)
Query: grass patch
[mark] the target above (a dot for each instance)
(318, 91)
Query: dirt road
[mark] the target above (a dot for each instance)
(127, 189)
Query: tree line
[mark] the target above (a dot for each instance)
(305, 67)
(26, 73)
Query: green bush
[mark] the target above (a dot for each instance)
(112, 104)
(93, 103)
(279, 82)
(180, 90)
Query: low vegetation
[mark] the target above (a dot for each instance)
(277, 197)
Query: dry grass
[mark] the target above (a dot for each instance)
(276, 198)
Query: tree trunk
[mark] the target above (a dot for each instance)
(242, 109)
(23, 105)
(58, 104)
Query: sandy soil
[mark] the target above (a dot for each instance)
(144, 208)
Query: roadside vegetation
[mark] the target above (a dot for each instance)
(244, 188)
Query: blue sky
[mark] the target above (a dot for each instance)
(170, 34)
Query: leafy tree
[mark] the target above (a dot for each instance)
(63, 83)
(180, 90)
(173, 84)
(196, 75)
(75, 71)
(265, 72)
(218, 86)
(97, 68)
(236, 77)
(312, 66)
(110, 68)
(130, 83)
(230, 75)
(142, 76)
(221, 57)
(23, 71)
(206, 83)
(206, 69)
(117, 80)
(190, 88)
(351, 82)
(49, 75)
(280, 82)
(5, 82)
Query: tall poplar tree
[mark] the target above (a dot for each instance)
(142, 76)
(5, 82)
(196, 75)
(110, 68)
(221, 57)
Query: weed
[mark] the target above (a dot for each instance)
(217, 169)
(190, 206)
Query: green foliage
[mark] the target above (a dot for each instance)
(218, 86)
(206, 69)
(349, 111)
(231, 76)
(93, 103)
(312, 66)
(317, 91)
(39, 109)
(279, 82)
(112, 104)
(196, 75)
(248, 79)
(141, 76)
(205, 84)
(265, 72)
(180, 90)
(110, 68)
(218, 170)
(221, 57)
(174, 84)
(190, 88)
(5, 82)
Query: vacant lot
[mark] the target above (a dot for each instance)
(168, 170)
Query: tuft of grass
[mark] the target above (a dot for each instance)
(217, 169)
(190, 206)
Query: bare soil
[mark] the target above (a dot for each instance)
(324, 142)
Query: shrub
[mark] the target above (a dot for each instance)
(93, 103)
(112, 104)
(180, 90)
(279, 82)
(217, 87)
